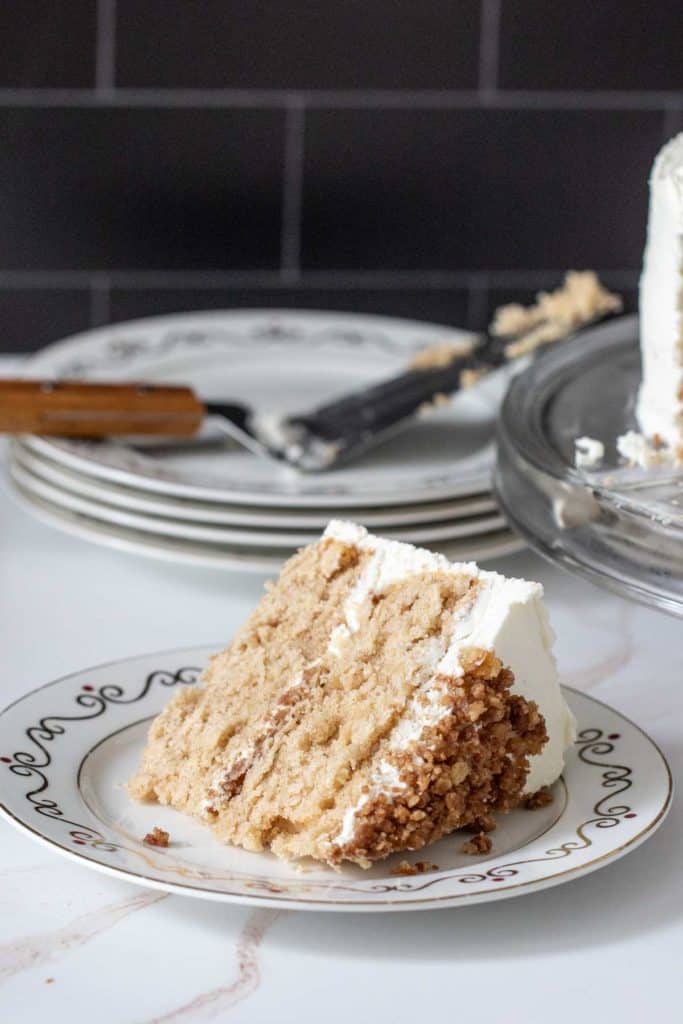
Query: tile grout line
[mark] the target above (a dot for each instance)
(105, 49)
(437, 99)
(100, 299)
(489, 46)
(292, 191)
(435, 279)
(477, 301)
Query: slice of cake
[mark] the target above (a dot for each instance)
(660, 401)
(378, 698)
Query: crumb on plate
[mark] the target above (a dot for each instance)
(541, 798)
(157, 837)
(481, 843)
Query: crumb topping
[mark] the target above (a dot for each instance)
(541, 798)
(470, 762)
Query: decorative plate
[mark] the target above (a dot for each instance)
(239, 536)
(226, 557)
(28, 451)
(281, 361)
(67, 749)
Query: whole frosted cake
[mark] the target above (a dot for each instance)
(660, 402)
(378, 698)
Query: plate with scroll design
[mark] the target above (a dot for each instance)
(67, 749)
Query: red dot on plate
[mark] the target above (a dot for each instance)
(497, 879)
(614, 736)
(88, 688)
(7, 760)
(79, 842)
(631, 815)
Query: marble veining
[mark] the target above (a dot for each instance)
(614, 654)
(44, 948)
(209, 1005)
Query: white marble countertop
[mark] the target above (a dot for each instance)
(76, 945)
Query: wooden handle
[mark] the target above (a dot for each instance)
(77, 409)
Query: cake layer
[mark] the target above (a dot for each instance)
(378, 698)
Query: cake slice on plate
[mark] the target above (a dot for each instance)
(378, 698)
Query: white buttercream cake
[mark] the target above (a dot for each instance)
(378, 698)
(660, 401)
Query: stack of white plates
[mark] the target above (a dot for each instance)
(212, 503)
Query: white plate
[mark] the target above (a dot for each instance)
(33, 452)
(258, 559)
(67, 749)
(240, 537)
(283, 361)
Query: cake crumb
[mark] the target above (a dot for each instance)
(646, 453)
(541, 798)
(442, 354)
(588, 452)
(418, 868)
(49, 981)
(481, 843)
(468, 378)
(157, 837)
(404, 868)
(425, 865)
(578, 301)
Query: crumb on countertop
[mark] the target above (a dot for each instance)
(157, 837)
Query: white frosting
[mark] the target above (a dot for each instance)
(638, 451)
(660, 401)
(589, 451)
(506, 616)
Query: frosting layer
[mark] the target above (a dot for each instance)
(660, 401)
(504, 616)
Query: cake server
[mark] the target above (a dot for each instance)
(318, 440)
(76, 408)
(311, 441)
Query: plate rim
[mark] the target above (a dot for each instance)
(460, 529)
(228, 559)
(376, 905)
(239, 514)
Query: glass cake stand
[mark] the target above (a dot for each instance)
(620, 526)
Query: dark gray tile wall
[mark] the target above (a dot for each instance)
(31, 317)
(482, 189)
(47, 43)
(141, 188)
(591, 44)
(423, 159)
(342, 44)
